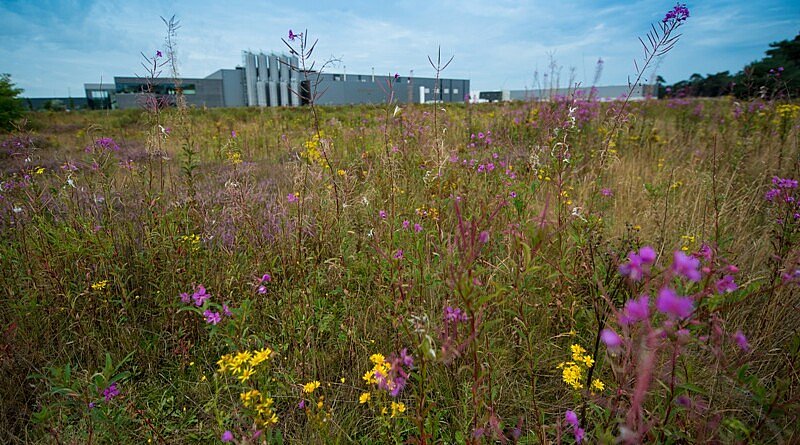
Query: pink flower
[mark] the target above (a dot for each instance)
(571, 418)
(417, 227)
(212, 317)
(406, 223)
(686, 266)
(638, 264)
(398, 255)
(611, 339)
(606, 192)
(635, 310)
(484, 237)
(741, 340)
(726, 284)
(227, 436)
(291, 197)
(382, 214)
(675, 306)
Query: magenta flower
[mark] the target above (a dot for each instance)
(677, 14)
(571, 418)
(635, 310)
(158, 54)
(382, 214)
(406, 223)
(580, 433)
(611, 339)
(638, 264)
(227, 436)
(293, 36)
(741, 340)
(292, 197)
(398, 255)
(670, 303)
(185, 298)
(266, 278)
(726, 284)
(417, 227)
(262, 289)
(226, 311)
(484, 237)
(200, 296)
(233, 133)
(212, 317)
(454, 315)
(110, 392)
(606, 192)
(686, 266)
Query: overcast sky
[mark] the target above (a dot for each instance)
(51, 48)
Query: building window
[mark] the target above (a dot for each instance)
(447, 91)
(337, 77)
(455, 90)
(427, 91)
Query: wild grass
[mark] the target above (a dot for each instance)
(95, 255)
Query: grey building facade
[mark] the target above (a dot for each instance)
(273, 80)
(605, 93)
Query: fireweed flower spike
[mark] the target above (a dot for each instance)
(638, 264)
(670, 303)
(611, 339)
(635, 310)
(686, 266)
(293, 36)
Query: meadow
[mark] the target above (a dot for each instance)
(532, 272)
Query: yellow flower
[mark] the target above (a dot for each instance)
(364, 398)
(377, 358)
(598, 385)
(398, 408)
(39, 171)
(249, 397)
(260, 356)
(571, 374)
(309, 387)
(245, 374)
(100, 285)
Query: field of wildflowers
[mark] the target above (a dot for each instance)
(566, 271)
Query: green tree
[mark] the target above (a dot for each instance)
(10, 106)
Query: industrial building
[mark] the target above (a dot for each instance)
(607, 93)
(274, 80)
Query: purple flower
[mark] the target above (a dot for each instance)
(512, 194)
(398, 255)
(579, 435)
(110, 392)
(571, 418)
(212, 317)
(301, 404)
(292, 35)
(396, 76)
(484, 237)
(92, 405)
(266, 278)
(226, 310)
(606, 192)
(677, 14)
(675, 306)
(406, 223)
(292, 197)
(741, 340)
(726, 284)
(227, 436)
(638, 263)
(454, 315)
(200, 296)
(262, 289)
(686, 266)
(417, 227)
(611, 339)
(635, 310)
(382, 214)
(233, 133)
(158, 54)
(185, 298)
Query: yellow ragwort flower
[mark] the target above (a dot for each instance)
(364, 398)
(398, 408)
(309, 387)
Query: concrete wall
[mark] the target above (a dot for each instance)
(360, 89)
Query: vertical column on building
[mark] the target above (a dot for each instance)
(250, 78)
(261, 85)
(273, 80)
(284, 80)
(294, 81)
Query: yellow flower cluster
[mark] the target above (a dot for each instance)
(398, 408)
(312, 153)
(263, 406)
(242, 364)
(788, 111)
(381, 366)
(100, 285)
(192, 241)
(688, 242)
(309, 387)
(572, 371)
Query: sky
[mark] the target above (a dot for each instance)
(51, 48)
